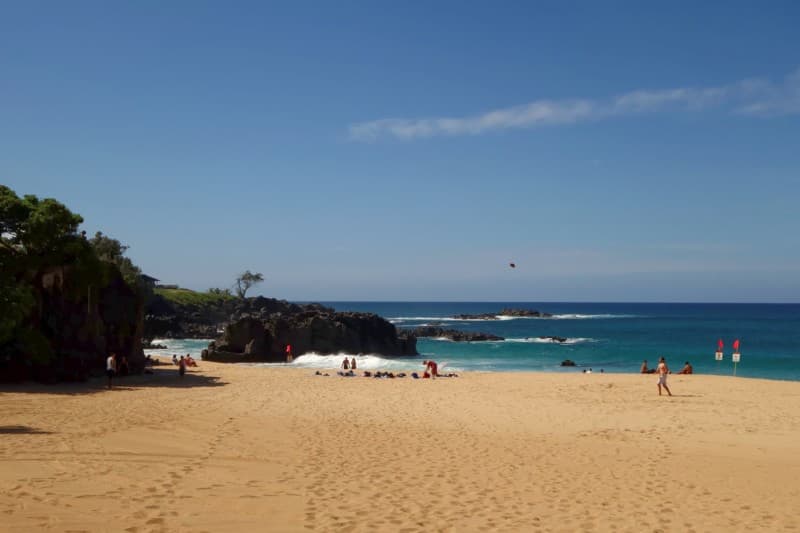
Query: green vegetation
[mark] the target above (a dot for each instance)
(52, 279)
(184, 297)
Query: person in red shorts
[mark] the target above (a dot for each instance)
(431, 369)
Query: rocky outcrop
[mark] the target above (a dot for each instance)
(167, 319)
(521, 313)
(567, 362)
(314, 329)
(453, 334)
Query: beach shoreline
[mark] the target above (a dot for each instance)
(231, 448)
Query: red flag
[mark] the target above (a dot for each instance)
(720, 345)
(736, 345)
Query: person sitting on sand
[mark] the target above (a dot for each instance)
(174, 359)
(687, 369)
(353, 363)
(646, 370)
(346, 364)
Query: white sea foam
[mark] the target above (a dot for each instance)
(563, 316)
(334, 362)
(178, 347)
(575, 316)
(538, 340)
(397, 319)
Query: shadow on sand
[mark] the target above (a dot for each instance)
(161, 377)
(21, 430)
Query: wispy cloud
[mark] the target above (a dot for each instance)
(754, 97)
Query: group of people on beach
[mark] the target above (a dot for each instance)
(183, 363)
(663, 370)
(349, 366)
(687, 368)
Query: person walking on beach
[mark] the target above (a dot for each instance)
(111, 368)
(662, 370)
(181, 367)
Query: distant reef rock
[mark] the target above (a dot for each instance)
(453, 334)
(553, 338)
(521, 313)
(263, 337)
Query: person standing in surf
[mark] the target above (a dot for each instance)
(662, 370)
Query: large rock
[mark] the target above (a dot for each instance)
(315, 329)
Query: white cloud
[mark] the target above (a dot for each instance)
(755, 97)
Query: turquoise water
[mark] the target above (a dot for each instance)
(612, 336)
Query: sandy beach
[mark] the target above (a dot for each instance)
(233, 448)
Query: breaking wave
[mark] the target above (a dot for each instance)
(563, 316)
(363, 362)
(537, 340)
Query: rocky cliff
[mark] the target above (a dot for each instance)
(74, 325)
(172, 319)
(314, 329)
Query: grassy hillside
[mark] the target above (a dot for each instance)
(189, 297)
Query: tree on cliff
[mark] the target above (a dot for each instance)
(245, 281)
(113, 251)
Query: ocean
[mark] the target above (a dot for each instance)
(614, 337)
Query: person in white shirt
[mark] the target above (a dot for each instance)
(662, 369)
(111, 367)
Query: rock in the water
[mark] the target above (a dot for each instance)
(553, 338)
(505, 312)
(524, 313)
(567, 362)
(454, 335)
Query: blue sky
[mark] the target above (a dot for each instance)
(615, 151)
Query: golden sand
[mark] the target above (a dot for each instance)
(233, 448)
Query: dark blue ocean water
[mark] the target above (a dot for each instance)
(613, 336)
